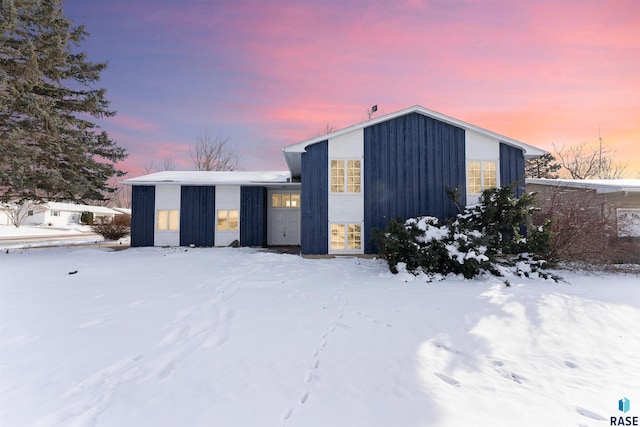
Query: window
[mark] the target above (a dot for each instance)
(168, 220)
(346, 236)
(285, 200)
(55, 213)
(481, 176)
(628, 222)
(345, 168)
(227, 220)
(30, 213)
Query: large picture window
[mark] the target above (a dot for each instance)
(482, 175)
(346, 236)
(168, 220)
(345, 176)
(227, 220)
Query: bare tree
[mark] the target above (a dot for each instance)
(324, 131)
(121, 198)
(211, 153)
(148, 168)
(19, 211)
(584, 227)
(169, 164)
(585, 163)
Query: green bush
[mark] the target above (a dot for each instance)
(469, 243)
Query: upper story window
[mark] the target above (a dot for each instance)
(168, 220)
(345, 176)
(482, 175)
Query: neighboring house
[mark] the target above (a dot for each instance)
(58, 214)
(338, 188)
(617, 200)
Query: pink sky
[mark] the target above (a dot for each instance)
(269, 74)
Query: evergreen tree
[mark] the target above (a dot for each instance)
(50, 149)
(542, 167)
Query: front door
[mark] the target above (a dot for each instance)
(284, 212)
(285, 227)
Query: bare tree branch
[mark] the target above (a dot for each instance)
(18, 211)
(583, 163)
(211, 153)
(169, 164)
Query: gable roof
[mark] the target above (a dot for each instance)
(211, 178)
(599, 185)
(292, 153)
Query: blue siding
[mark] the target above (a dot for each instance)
(197, 215)
(253, 216)
(512, 167)
(143, 206)
(314, 197)
(408, 162)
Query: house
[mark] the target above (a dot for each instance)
(614, 200)
(59, 214)
(339, 187)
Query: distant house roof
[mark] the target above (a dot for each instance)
(212, 178)
(126, 211)
(72, 207)
(292, 153)
(599, 185)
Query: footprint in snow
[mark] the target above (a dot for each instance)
(447, 379)
(287, 413)
(570, 364)
(444, 347)
(589, 414)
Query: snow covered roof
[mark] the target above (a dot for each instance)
(292, 153)
(72, 207)
(600, 185)
(212, 178)
(126, 211)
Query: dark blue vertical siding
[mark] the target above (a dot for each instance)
(314, 197)
(197, 215)
(253, 216)
(408, 163)
(143, 206)
(512, 167)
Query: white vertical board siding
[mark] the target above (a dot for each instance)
(480, 148)
(167, 197)
(227, 198)
(346, 208)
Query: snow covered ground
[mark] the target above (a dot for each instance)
(27, 236)
(241, 337)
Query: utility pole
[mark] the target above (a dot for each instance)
(600, 158)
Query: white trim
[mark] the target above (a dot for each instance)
(227, 199)
(167, 198)
(289, 210)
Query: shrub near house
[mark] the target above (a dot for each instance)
(469, 243)
(114, 229)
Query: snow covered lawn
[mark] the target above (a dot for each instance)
(240, 337)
